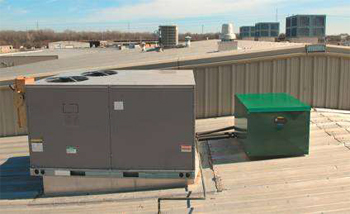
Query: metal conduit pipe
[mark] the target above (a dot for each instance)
(221, 130)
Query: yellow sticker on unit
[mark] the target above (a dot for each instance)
(36, 140)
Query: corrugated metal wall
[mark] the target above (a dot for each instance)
(8, 115)
(321, 80)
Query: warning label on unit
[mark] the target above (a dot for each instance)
(37, 147)
(71, 150)
(186, 148)
(118, 105)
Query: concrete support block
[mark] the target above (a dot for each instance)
(248, 38)
(71, 185)
(312, 40)
(227, 45)
(266, 39)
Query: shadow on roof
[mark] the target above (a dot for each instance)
(16, 182)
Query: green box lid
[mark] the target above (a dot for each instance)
(272, 102)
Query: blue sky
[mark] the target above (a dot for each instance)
(146, 15)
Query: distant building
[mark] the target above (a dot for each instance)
(247, 32)
(104, 44)
(6, 48)
(267, 31)
(168, 36)
(344, 36)
(305, 28)
(68, 45)
(346, 43)
(340, 39)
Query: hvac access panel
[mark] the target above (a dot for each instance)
(152, 128)
(68, 127)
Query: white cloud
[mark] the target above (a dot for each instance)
(173, 9)
(342, 10)
(20, 11)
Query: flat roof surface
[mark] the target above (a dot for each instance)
(108, 58)
(272, 102)
(316, 183)
(128, 78)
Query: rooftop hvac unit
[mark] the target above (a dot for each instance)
(169, 36)
(113, 124)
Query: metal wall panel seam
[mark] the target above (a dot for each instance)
(315, 87)
(196, 76)
(2, 112)
(245, 76)
(347, 71)
(233, 68)
(260, 87)
(341, 76)
(327, 80)
(206, 94)
(274, 79)
(301, 63)
(336, 79)
(219, 110)
(287, 76)
(308, 84)
(8, 122)
(282, 73)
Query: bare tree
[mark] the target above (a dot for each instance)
(40, 38)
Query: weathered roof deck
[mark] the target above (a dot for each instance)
(317, 183)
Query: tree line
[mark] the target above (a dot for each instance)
(41, 38)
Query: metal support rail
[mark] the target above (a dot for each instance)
(203, 136)
(187, 198)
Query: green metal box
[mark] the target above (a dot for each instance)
(276, 124)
